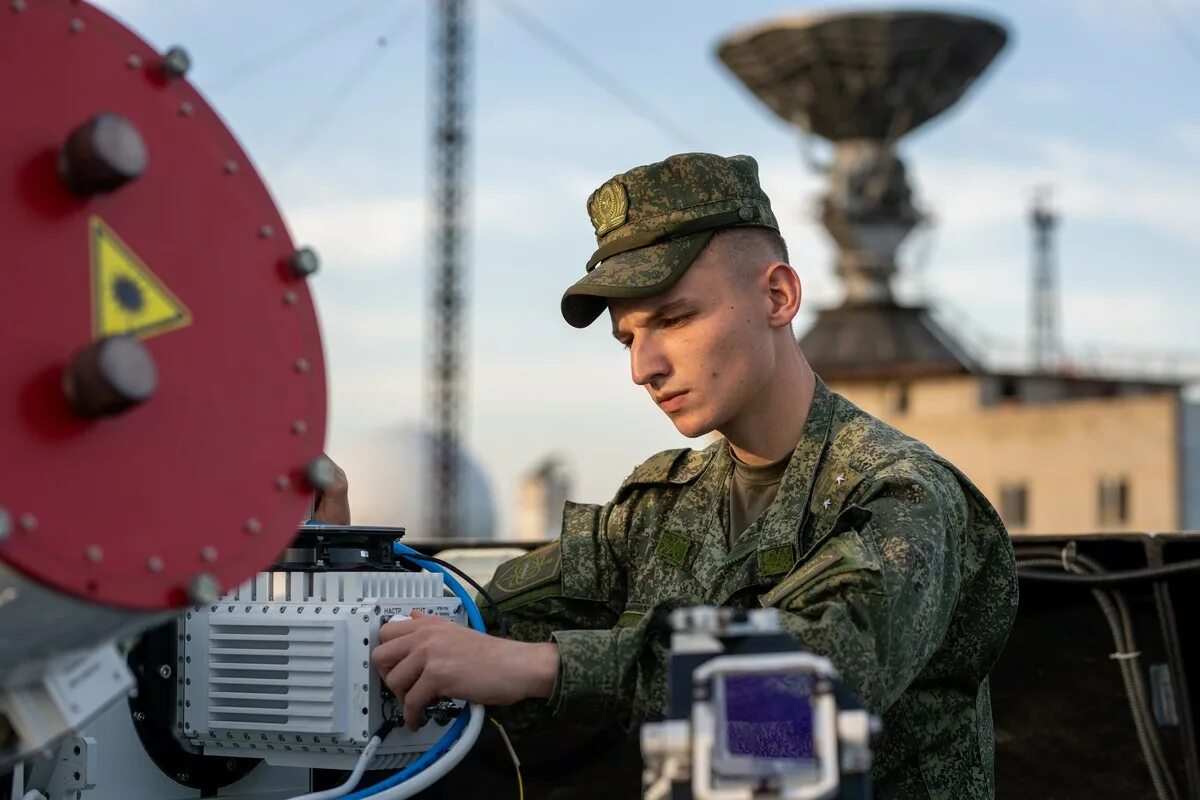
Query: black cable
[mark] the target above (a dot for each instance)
(1190, 44)
(384, 729)
(1112, 578)
(1116, 612)
(288, 49)
(592, 71)
(1187, 727)
(324, 111)
(501, 623)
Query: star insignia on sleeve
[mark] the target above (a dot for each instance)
(840, 479)
(827, 502)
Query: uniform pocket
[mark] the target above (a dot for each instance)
(846, 553)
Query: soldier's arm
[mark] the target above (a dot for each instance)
(608, 661)
(876, 596)
(574, 583)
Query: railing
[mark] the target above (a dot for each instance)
(1103, 361)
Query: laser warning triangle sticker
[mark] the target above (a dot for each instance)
(127, 298)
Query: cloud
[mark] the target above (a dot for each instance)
(1135, 17)
(363, 233)
(1102, 184)
(1110, 184)
(370, 329)
(390, 232)
(1135, 319)
(1186, 136)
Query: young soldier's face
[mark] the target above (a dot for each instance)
(704, 349)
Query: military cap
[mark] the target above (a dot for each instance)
(652, 222)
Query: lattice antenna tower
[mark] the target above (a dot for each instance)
(450, 128)
(1044, 345)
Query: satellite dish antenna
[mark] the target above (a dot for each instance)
(863, 80)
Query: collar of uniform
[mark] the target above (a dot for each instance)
(774, 536)
(695, 523)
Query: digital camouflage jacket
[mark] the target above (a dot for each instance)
(880, 554)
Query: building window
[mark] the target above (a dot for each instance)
(1014, 504)
(902, 398)
(1113, 501)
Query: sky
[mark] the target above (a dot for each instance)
(1096, 99)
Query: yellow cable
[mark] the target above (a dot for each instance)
(513, 754)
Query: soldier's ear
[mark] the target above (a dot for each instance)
(784, 292)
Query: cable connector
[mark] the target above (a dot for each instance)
(386, 728)
(442, 712)
(1068, 555)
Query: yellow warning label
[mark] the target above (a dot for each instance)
(127, 298)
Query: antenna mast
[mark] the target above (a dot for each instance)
(449, 189)
(1044, 346)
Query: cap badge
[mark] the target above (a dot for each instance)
(608, 207)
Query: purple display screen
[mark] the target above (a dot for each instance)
(769, 716)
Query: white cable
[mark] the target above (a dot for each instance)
(437, 770)
(661, 788)
(508, 743)
(348, 785)
(18, 785)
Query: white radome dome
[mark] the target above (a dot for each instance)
(389, 479)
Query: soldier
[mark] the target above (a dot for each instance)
(880, 553)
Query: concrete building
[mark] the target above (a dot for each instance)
(1055, 452)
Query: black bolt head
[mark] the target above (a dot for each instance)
(176, 62)
(109, 377)
(102, 155)
(304, 262)
(320, 473)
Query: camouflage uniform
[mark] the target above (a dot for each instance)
(880, 553)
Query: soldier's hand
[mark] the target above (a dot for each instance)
(333, 503)
(429, 657)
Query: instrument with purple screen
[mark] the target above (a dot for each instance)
(752, 715)
(767, 716)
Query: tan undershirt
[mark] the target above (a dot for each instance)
(750, 492)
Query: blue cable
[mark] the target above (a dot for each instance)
(450, 736)
(473, 615)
